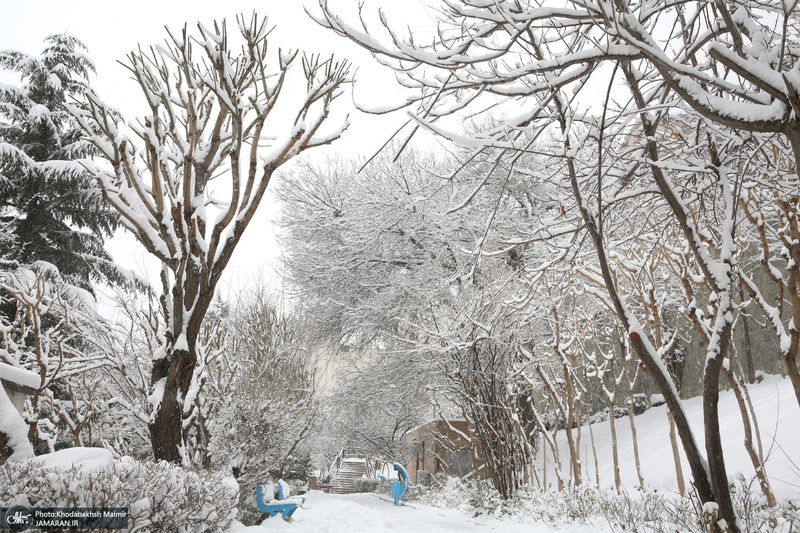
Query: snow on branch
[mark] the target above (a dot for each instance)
(206, 110)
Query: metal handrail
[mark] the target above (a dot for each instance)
(351, 452)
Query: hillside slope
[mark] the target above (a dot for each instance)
(778, 417)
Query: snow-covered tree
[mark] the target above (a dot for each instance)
(189, 186)
(380, 264)
(50, 206)
(369, 252)
(131, 340)
(264, 396)
(608, 76)
(373, 404)
(55, 333)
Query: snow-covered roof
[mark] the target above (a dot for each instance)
(437, 420)
(20, 377)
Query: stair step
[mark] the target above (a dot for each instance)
(345, 479)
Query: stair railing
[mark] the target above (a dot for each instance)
(350, 452)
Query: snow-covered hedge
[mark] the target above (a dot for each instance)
(159, 496)
(643, 510)
(372, 485)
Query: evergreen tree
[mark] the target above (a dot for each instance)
(50, 207)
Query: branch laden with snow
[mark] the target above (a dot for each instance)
(187, 179)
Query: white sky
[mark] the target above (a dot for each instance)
(111, 30)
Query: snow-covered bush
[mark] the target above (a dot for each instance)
(643, 511)
(298, 468)
(640, 403)
(602, 416)
(372, 485)
(656, 400)
(159, 496)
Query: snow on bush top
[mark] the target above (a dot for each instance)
(87, 459)
(19, 376)
(12, 425)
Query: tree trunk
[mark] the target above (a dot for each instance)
(631, 416)
(614, 452)
(646, 352)
(551, 441)
(166, 426)
(716, 460)
(573, 440)
(635, 443)
(676, 456)
(748, 349)
(649, 358)
(544, 465)
(793, 372)
(594, 455)
(757, 462)
(790, 355)
(189, 299)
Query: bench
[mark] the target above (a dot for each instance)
(325, 487)
(282, 505)
(399, 488)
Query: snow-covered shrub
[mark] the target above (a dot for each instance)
(643, 511)
(372, 485)
(475, 497)
(575, 505)
(14, 444)
(640, 403)
(159, 496)
(602, 416)
(297, 486)
(297, 468)
(752, 511)
(656, 400)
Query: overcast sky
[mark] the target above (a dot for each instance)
(111, 29)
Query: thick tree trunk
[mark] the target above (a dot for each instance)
(189, 299)
(793, 372)
(715, 474)
(166, 426)
(655, 368)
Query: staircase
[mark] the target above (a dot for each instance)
(345, 478)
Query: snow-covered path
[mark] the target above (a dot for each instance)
(369, 513)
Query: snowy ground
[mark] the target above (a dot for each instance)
(368, 513)
(779, 425)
